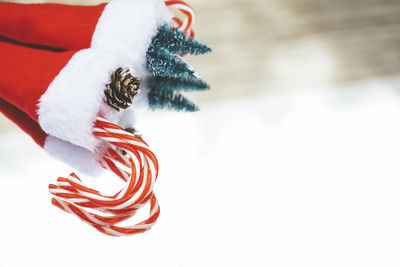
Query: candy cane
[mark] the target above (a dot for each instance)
(139, 169)
(186, 25)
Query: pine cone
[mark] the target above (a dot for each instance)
(122, 89)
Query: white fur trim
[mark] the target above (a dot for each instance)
(130, 32)
(69, 107)
(77, 157)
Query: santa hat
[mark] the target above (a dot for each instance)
(61, 92)
(56, 61)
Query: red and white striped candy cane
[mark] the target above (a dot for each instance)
(139, 169)
(186, 25)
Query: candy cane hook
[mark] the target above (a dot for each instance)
(139, 169)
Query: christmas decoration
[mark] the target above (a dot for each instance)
(78, 73)
(170, 72)
(122, 89)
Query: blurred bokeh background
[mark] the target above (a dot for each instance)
(292, 160)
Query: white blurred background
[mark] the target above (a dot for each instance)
(292, 160)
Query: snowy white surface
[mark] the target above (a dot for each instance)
(302, 178)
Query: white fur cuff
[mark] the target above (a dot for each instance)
(77, 157)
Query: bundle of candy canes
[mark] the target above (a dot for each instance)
(141, 173)
(123, 153)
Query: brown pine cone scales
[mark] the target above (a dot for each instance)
(122, 89)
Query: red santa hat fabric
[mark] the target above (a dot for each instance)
(56, 95)
(52, 25)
